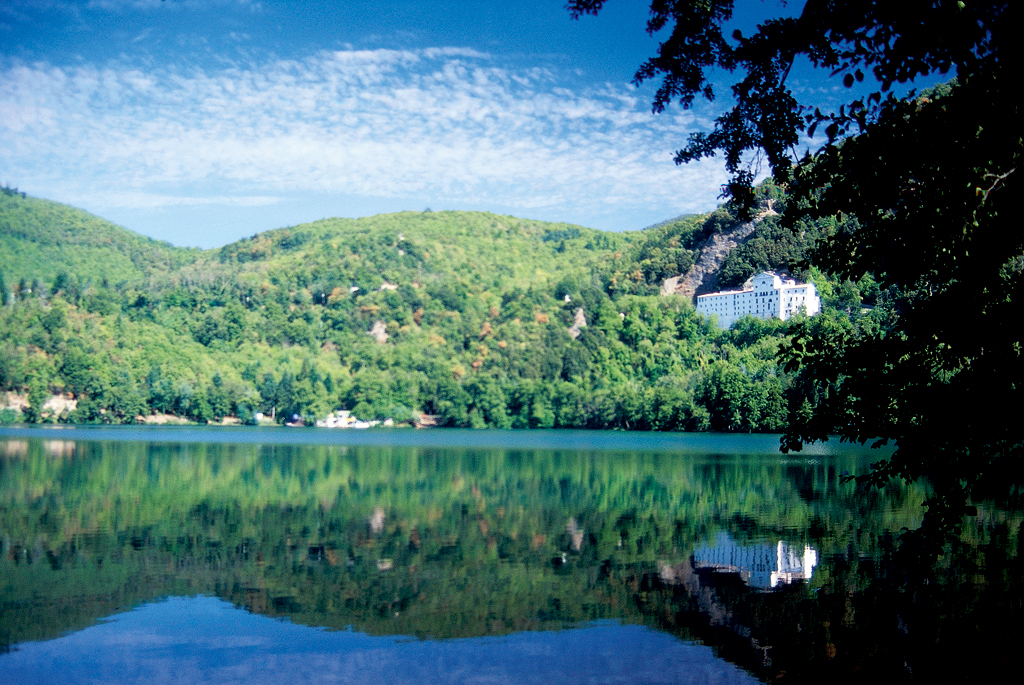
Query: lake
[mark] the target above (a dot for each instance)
(301, 555)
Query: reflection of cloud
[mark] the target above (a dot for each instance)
(446, 123)
(235, 641)
(139, 639)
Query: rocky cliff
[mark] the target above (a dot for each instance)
(703, 275)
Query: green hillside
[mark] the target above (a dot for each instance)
(39, 239)
(483, 251)
(478, 319)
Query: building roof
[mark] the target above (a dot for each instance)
(787, 282)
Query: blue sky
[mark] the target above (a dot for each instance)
(203, 121)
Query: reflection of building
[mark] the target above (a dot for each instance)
(767, 295)
(760, 566)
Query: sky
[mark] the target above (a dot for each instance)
(200, 122)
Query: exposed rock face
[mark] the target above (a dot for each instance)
(55, 405)
(427, 420)
(580, 321)
(703, 275)
(379, 332)
(14, 401)
(58, 404)
(161, 419)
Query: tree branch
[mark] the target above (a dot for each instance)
(997, 179)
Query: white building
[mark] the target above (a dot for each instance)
(769, 294)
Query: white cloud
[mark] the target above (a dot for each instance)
(143, 200)
(444, 123)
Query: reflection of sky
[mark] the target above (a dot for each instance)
(206, 640)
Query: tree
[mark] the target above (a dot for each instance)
(931, 180)
(38, 394)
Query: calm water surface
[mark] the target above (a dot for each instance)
(262, 555)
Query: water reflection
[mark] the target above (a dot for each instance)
(205, 640)
(14, 448)
(775, 563)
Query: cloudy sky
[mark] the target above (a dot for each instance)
(203, 121)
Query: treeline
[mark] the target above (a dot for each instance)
(654, 366)
(477, 319)
(6, 189)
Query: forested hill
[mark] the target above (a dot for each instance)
(479, 319)
(40, 239)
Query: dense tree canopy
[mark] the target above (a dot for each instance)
(473, 326)
(930, 180)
